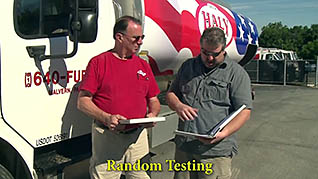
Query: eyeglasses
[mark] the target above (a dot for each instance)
(136, 38)
(214, 55)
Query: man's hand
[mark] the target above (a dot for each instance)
(112, 121)
(219, 136)
(186, 112)
(149, 124)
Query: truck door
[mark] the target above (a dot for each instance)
(40, 72)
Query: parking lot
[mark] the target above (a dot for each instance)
(279, 141)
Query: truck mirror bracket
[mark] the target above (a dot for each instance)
(38, 52)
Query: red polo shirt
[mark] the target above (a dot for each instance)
(120, 86)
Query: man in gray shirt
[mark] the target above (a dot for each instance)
(208, 88)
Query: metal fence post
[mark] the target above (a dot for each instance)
(316, 77)
(285, 71)
(257, 70)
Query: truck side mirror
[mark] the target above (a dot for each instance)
(87, 16)
(82, 29)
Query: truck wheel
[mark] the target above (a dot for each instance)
(4, 173)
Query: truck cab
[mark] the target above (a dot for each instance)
(44, 50)
(275, 54)
(267, 56)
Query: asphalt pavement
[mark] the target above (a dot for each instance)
(280, 141)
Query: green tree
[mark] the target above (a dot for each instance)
(310, 50)
(301, 39)
(273, 35)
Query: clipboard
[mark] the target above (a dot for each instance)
(142, 120)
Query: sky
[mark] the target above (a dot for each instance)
(289, 12)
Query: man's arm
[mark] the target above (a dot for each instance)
(86, 105)
(184, 111)
(237, 122)
(153, 111)
(153, 107)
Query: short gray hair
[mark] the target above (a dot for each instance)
(122, 24)
(214, 36)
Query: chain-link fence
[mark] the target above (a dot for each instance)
(300, 72)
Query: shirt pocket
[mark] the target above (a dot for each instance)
(188, 92)
(143, 84)
(216, 91)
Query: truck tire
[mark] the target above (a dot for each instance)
(4, 173)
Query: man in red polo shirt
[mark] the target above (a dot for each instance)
(118, 85)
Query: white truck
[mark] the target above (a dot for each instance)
(275, 54)
(45, 46)
(288, 54)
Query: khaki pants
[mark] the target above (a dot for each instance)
(221, 166)
(111, 151)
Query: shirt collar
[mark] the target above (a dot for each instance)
(223, 65)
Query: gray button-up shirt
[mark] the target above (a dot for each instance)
(216, 94)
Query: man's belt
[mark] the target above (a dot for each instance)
(128, 131)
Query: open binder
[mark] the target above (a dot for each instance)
(217, 128)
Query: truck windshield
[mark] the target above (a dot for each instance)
(41, 18)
